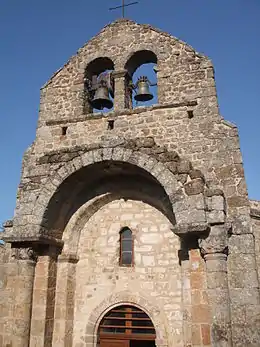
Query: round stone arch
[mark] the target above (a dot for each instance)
(138, 58)
(148, 164)
(71, 235)
(145, 47)
(128, 298)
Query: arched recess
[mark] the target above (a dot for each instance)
(71, 235)
(140, 67)
(93, 174)
(129, 298)
(126, 322)
(138, 58)
(93, 72)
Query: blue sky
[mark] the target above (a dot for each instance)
(37, 37)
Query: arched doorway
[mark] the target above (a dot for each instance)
(126, 326)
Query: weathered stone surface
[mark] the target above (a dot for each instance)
(217, 240)
(216, 203)
(183, 229)
(166, 169)
(184, 167)
(212, 192)
(196, 174)
(215, 217)
(196, 186)
(190, 216)
(242, 244)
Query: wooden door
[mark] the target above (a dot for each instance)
(114, 343)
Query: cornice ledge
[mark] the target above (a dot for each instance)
(194, 228)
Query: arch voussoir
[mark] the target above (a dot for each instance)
(87, 158)
(184, 186)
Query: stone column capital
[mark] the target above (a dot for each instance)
(23, 253)
(216, 242)
(215, 256)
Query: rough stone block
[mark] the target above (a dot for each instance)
(215, 217)
(242, 244)
(243, 279)
(97, 155)
(87, 158)
(172, 166)
(241, 224)
(184, 167)
(216, 203)
(245, 335)
(190, 202)
(147, 142)
(217, 280)
(196, 174)
(241, 262)
(244, 296)
(216, 265)
(194, 187)
(107, 153)
(190, 217)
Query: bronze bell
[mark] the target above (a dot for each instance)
(101, 99)
(143, 92)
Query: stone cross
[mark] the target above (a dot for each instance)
(123, 6)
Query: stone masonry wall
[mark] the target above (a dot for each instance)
(183, 74)
(185, 80)
(156, 274)
(65, 138)
(185, 83)
(255, 217)
(201, 140)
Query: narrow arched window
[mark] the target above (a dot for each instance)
(126, 247)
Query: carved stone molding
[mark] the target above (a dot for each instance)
(24, 254)
(216, 241)
(183, 230)
(215, 256)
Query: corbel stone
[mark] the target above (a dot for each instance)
(184, 229)
(32, 240)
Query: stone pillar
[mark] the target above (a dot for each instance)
(214, 250)
(44, 298)
(8, 274)
(244, 290)
(64, 306)
(25, 260)
(186, 294)
(121, 90)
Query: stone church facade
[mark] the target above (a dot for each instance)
(170, 175)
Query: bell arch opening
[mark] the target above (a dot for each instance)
(99, 85)
(126, 326)
(113, 178)
(142, 78)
